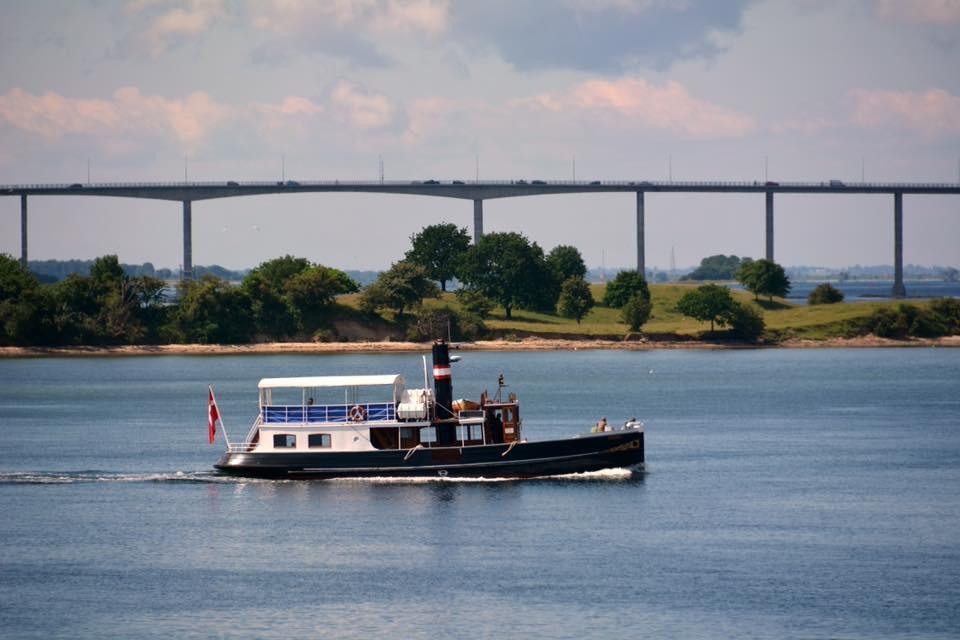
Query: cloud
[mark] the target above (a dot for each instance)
(362, 109)
(351, 29)
(935, 12)
(172, 27)
(128, 112)
(932, 113)
(608, 36)
(635, 102)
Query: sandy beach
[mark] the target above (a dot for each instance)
(527, 344)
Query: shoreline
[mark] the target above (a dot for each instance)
(526, 344)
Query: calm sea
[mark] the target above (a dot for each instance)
(788, 493)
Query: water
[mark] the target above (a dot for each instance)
(789, 493)
(874, 290)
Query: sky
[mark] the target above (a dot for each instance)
(151, 90)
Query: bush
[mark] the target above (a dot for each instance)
(825, 293)
(576, 300)
(475, 303)
(431, 323)
(745, 322)
(624, 286)
(636, 312)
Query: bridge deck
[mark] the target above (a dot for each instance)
(460, 189)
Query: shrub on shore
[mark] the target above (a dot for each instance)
(825, 293)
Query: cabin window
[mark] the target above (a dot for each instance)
(318, 440)
(284, 441)
(428, 436)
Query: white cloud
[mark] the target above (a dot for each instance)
(287, 17)
(362, 109)
(932, 113)
(634, 101)
(128, 112)
(936, 12)
(171, 27)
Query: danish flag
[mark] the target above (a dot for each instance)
(213, 414)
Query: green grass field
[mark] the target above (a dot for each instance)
(782, 318)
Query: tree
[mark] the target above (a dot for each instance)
(576, 299)
(213, 312)
(510, 270)
(20, 308)
(825, 293)
(636, 312)
(745, 321)
(403, 285)
(709, 303)
(475, 302)
(439, 248)
(265, 287)
(718, 267)
(624, 286)
(310, 293)
(764, 277)
(566, 262)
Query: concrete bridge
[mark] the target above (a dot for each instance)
(188, 192)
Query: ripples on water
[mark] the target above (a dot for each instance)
(786, 494)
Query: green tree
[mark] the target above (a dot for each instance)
(475, 302)
(310, 293)
(439, 248)
(764, 277)
(636, 311)
(576, 299)
(566, 262)
(718, 267)
(265, 287)
(825, 293)
(708, 303)
(510, 270)
(624, 286)
(20, 303)
(403, 285)
(745, 321)
(213, 312)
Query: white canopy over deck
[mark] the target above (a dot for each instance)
(317, 382)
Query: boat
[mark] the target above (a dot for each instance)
(374, 426)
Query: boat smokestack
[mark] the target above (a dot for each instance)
(443, 392)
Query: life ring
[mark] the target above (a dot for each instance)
(357, 413)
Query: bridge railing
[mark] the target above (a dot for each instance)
(637, 184)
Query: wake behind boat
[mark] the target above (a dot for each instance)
(368, 426)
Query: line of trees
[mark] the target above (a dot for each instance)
(281, 299)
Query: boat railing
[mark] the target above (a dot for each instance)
(470, 417)
(329, 413)
(245, 447)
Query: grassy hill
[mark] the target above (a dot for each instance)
(783, 319)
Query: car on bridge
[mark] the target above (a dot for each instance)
(431, 182)
(538, 182)
(232, 183)
(76, 185)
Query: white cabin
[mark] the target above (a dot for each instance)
(359, 413)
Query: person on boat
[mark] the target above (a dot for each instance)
(629, 423)
(601, 426)
(310, 402)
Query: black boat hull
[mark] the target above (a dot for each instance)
(520, 460)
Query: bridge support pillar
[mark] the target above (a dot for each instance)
(187, 273)
(769, 254)
(641, 257)
(477, 221)
(23, 230)
(899, 291)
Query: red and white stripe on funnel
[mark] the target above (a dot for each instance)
(441, 372)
